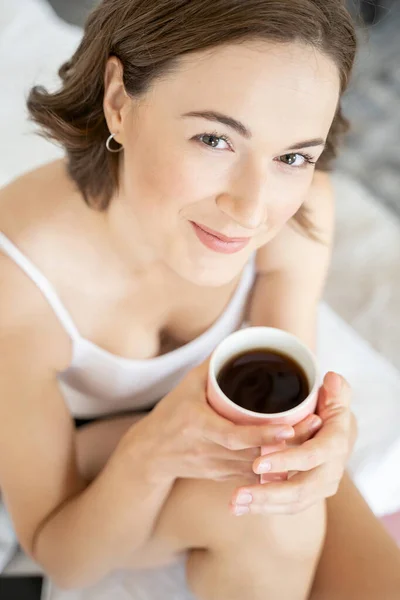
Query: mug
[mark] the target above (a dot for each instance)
(257, 338)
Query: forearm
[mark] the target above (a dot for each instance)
(94, 532)
(273, 305)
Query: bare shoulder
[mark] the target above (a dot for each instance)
(37, 456)
(26, 319)
(25, 201)
(27, 322)
(293, 250)
(36, 431)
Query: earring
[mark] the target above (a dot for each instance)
(108, 146)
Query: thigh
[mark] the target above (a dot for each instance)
(196, 516)
(359, 558)
(96, 441)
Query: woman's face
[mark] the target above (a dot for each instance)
(226, 143)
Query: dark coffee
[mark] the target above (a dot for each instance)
(264, 381)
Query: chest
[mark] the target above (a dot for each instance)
(153, 319)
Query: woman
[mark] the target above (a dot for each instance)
(194, 195)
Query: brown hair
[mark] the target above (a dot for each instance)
(148, 38)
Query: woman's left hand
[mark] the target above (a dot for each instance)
(318, 463)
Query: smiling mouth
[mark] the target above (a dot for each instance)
(214, 240)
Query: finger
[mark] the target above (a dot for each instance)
(222, 470)
(274, 498)
(306, 429)
(240, 437)
(249, 455)
(294, 495)
(275, 509)
(334, 396)
(242, 479)
(330, 443)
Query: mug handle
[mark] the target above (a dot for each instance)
(268, 477)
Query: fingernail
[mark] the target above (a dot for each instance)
(241, 510)
(264, 467)
(244, 498)
(314, 423)
(285, 434)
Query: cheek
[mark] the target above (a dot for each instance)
(160, 179)
(287, 203)
(281, 212)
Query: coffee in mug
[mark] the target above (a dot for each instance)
(263, 375)
(264, 380)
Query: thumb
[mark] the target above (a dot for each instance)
(334, 394)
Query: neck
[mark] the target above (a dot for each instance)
(128, 247)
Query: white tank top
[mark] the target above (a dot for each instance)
(98, 382)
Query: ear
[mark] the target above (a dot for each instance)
(116, 101)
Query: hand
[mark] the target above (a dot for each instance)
(183, 437)
(318, 463)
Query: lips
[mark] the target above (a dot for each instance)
(217, 241)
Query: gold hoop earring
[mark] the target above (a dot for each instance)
(108, 144)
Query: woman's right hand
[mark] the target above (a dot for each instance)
(183, 437)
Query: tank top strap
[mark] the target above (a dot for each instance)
(42, 283)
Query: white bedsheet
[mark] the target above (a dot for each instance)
(33, 43)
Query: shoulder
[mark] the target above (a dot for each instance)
(29, 330)
(27, 322)
(25, 201)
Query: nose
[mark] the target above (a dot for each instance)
(246, 203)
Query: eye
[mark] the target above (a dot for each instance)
(296, 160)
(213, 139)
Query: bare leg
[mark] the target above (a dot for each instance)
(92, 455)
(251, 557)
(228, 557)
(360, 560)
(255, 557)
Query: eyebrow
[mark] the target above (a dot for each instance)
(212, 115)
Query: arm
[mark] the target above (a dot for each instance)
(291, 269)
(80, 532)
(77, 533)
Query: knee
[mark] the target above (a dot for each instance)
(297, 537)
(250, 556)
(300, 536)
(197, 515)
